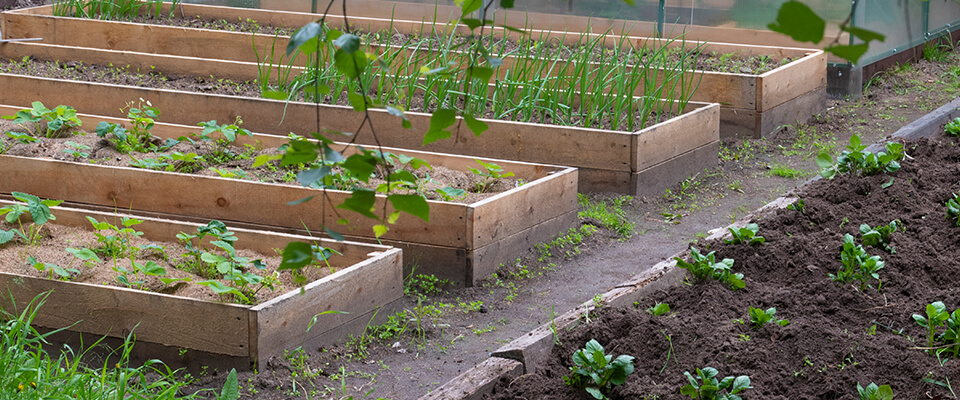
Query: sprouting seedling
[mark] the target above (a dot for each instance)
(76, 150)
(85, 255)
(856, 264)
(450, 193)
(39, 211)
(58, 121)
(880, 236)
(131, 277)
(222, 137)
(52, 269)
(22, 138)
(490, 174)
(705, 385)
(797, 206)
(856, 160)
(747, 234)
(138, 137)
(953, 209)
(659, 309)
(703, 267)
(595, 371)
(760, 317)
(874, 392)
(952, 128)
(937, 315)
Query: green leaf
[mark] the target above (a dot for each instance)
(308, 32)
(439, 121)
(594, 392)
(361, 202)
(798, 21)
(361, 166)
(6, 236)
(475, 125)
(310, 176)
(334, 234)
(380, 230)
(412, 204)
(482, 73)
(350, 64)
(270, 94)
(864, 34)
(348, 42)
(357, 101)
(851, 53)
(474, 23)
(299, 152)
(509, 3)
(469, 6)
(741, 383)
(296, 255)
(231, 388)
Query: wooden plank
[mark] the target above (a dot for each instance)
(510, 212)
(739, 123)
(797, 109)
(487, 259)
(218, 198)
(791, 81)
(283, 322)
(114, 311)
(668, 139)
(654, 180)
(145, 62)
(563, 145)
(477, 382)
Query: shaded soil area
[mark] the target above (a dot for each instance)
(838, 335)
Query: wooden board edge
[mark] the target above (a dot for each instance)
(791, 81)
(477, 382)
(679, 135)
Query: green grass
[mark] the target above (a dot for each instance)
(787, 172)
(609, 212)
(27, 371)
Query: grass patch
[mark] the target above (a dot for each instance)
(787, 172)
(609, 212)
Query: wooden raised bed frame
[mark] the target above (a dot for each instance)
(463, 243)
(370, 278)
(753, 105)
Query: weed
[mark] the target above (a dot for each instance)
(424, 285)
(609, 212)
(787, 172)
(490, 174)
(760, 317)
(659, 309)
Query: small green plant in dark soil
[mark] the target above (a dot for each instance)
(747, 234)
(856, 160)
(703, 267)
(760, 317)
(953, 209)
(491, 173)
(58, 121)
(874, 392)
(609, 212)
(879, 237)
(709, 388)
(856, 264)
(938, 316)
(797, 206)
(595, 371)
(424, 284)
(953, 127)
(659, 309)
(75, 150)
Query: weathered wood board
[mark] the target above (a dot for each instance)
(498, 228)
(369, 277)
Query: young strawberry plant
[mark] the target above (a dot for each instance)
(192, 261)
(235, 277)
(48, 123)
(874, 392)
(131, 277)
(222, 137)
(856, 160)
(491, 173)
(138, 137)
(706, 266)
(116, 243)
(39, 211)
(760, 317)
(953, 209)
(709, 388)
(595, 371)
(747, 234)
(879, 237)
(63, 274)
(856, 264)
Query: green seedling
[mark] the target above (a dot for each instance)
(138, 137)
(490, 174)
(709, 388)
(235, 174)
(179, 162)
(222, 137)
(131, 277)
(39, 211)
(937, 315)
(953, 209)
(116, 243)
(63, 274)
(857, 161)
(58, 121)
(856, 264)
(22, 138)
(234, 274)
(952, 128)
(879, 237)
(874, 392)
(659, 309)
(75, 150)
(705, 266)
(797, 206)
(451, 193)
(148, 163)
(214, 229)
(747, 234)
(595, 371)
(85, 255)
(760, 317)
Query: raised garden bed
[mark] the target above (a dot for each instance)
(838, 335)
(368, 278)
(642, 162)
(462, 242)
(752, 104)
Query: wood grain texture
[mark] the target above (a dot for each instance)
(792, 81)
(477, 382)
(798, 109)
(486, 260)
(670, 138)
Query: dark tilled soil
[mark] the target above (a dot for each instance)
(838, 336)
